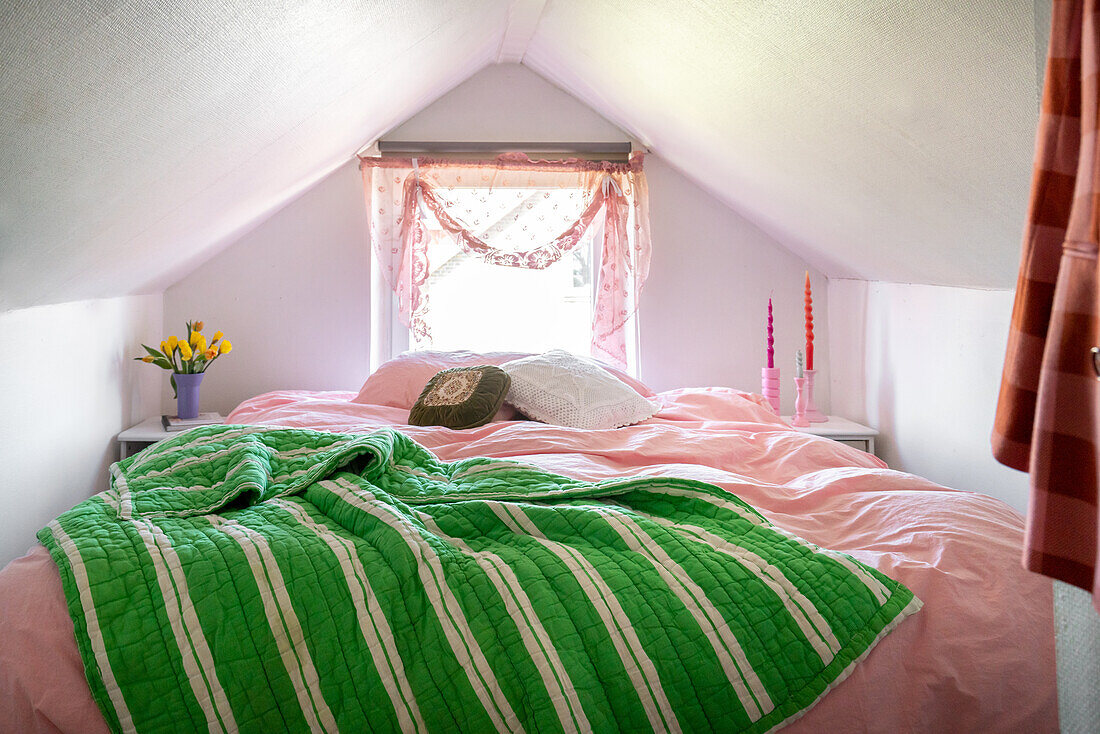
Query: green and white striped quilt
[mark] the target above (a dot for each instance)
(271, 579)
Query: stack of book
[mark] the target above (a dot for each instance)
(173, 423)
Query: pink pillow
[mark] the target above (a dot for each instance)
(399, 382)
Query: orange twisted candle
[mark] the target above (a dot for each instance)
(809, 325)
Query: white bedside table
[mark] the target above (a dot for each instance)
(146, 433)
(843, 430)
(135, 438)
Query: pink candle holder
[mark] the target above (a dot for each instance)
(813, 415)
(769, 386)
(799, 419)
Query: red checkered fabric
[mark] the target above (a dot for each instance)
(1048, 411)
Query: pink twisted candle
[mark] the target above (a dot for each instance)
(771, 337)
(809, 325)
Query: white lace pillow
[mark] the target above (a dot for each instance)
(566, 390)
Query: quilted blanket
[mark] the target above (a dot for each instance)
(285, 579)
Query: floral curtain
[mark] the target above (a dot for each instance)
(1049, 405)
(476, 204)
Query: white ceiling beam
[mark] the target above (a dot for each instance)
(523, 19)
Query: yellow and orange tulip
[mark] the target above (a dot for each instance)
(195, 353)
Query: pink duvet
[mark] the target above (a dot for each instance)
(978, 657)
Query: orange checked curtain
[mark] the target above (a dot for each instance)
(1048, 411)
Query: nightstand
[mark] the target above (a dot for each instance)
(843, 430)
(146, 433)
(135, 438)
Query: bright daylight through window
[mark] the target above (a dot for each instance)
(482, 306)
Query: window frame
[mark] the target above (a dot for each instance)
(389, 337)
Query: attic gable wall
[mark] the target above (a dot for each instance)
(294, 293)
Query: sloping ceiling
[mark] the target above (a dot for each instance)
(138, 136)
(880, 140)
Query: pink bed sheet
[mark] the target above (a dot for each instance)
(979, 657)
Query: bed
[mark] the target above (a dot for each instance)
(979, 656)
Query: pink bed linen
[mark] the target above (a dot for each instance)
(978, 657)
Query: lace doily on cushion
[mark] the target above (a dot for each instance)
(453, 388)
(565, 390)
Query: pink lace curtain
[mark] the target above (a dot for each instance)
(409, 201)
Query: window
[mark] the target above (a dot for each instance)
(510, 254)
(480, 306)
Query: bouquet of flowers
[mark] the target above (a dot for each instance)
(187, 356)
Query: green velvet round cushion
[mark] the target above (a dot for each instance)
(461, 397)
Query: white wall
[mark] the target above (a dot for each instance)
(507, 102)
(303, 274)
(923, 365)
(705, 306)
(292, 295)
(70, 386)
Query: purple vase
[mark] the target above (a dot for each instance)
(187, 394)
